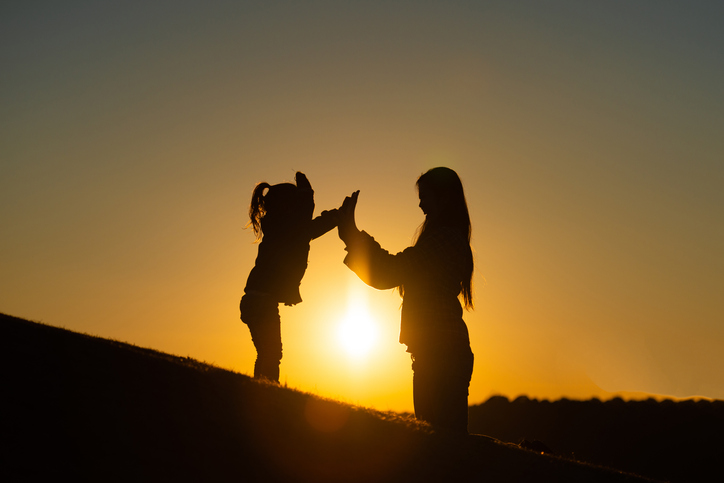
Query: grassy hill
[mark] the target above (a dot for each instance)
(93, 409)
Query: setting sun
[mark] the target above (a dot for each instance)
(357, 333)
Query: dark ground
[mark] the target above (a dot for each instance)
(89, 409)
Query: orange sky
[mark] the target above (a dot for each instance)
(587, 137)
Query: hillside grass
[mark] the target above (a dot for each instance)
(92, 409)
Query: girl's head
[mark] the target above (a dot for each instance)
(442, 199)
(266, 198)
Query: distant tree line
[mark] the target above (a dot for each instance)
(667, 440)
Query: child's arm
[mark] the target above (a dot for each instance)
(323, 223)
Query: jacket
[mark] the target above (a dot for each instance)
(284, 249)
(430, 274)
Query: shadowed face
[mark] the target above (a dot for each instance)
(286, 200)
(429, 203)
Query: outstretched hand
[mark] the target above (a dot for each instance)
(347, 227)
(302, 181)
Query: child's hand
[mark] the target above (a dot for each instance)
(303, 182)
(333, 215)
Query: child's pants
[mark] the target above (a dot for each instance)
(261, 314)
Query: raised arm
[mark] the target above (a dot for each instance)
(374, 265)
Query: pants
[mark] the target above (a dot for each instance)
(440, 388)
(261, 314)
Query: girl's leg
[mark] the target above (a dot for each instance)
(423, 389)
(440, 389)
(261, 315)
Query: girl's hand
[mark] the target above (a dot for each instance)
(347, 227)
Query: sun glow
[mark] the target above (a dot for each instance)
(357, 333)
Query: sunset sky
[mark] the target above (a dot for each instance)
(588, 136)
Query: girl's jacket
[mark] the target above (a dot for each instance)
(430, 275)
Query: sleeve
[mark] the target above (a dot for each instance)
(376, 266)
(322, 224)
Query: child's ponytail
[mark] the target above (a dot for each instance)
(257, 210)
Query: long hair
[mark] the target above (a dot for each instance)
(447, 189)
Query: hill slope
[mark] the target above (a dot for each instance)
(94, 409)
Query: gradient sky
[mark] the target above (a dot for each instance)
(588, 136)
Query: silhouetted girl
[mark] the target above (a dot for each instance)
(432, 276)
(281, 216)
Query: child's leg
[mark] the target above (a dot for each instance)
(261, 314)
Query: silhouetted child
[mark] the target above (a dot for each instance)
(281, 217)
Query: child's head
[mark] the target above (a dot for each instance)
(267, 198)
(283, 200)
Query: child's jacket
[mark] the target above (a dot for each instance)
(284, 248)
